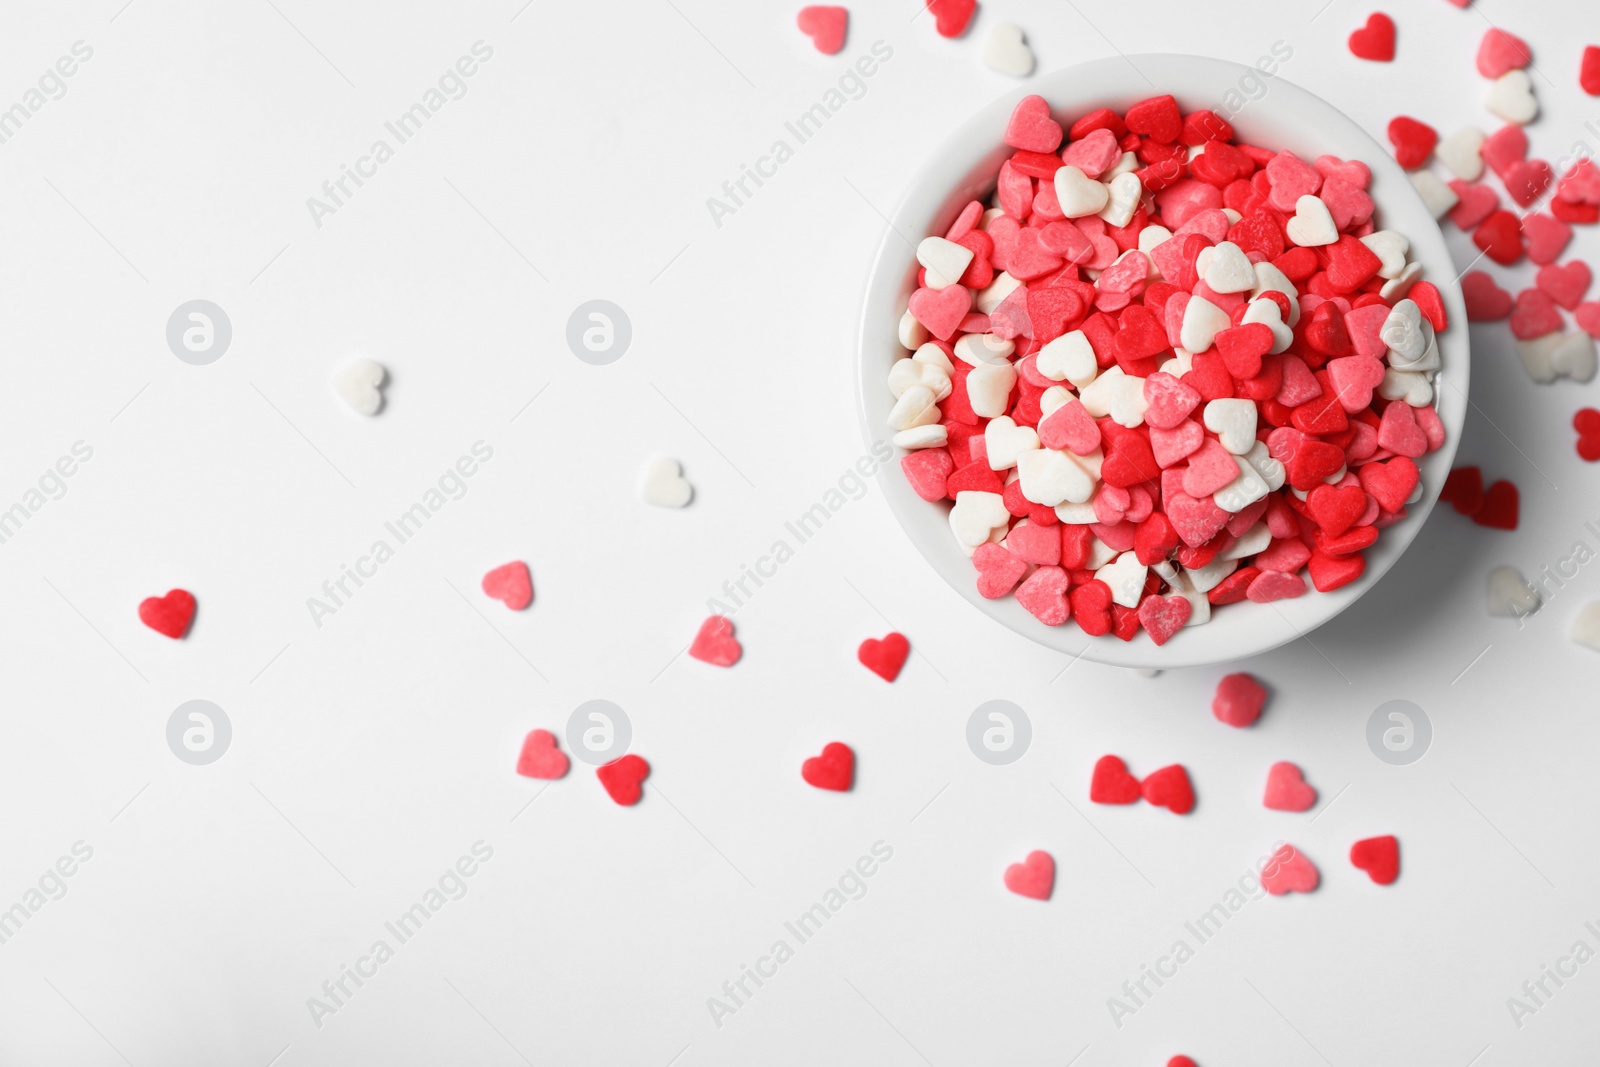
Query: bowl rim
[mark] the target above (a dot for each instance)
(941, 185)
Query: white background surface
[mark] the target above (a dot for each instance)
(370, 753)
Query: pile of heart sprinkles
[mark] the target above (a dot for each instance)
(1165, 372)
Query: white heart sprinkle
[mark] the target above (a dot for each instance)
(1462, 152)
(1575, 357)
(946, 261)
(358, 384)
(1229, 270)
(1511, 98)
(1005, 51)
(1069, 357)
(1312, 225)
(1233, 420)
(1005, 441)
(1437, 197)
(975, 516)
(1510, 595)
(1078, 194)
(661, 483)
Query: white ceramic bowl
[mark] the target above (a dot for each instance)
(963, 169)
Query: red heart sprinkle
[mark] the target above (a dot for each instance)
(1587, 423)
(927, 468)
(1112, 784)
(884, 658)
(511, 584)
(1289, 872)
(1336, 508)
(1474, 203)
(1379, 857)
(1162, 617)
(1500, 238)
(835, 769)
(1463, 490)
(1157, 118)
(170, 614)
(1534, 315)
(1486, 301)
(1504, 147)
(1430, 302)
(1243, 347)
(1287, 789)
(998, 570)
(622, 778)
(1528, 181)
(1169, 788)
(1567, 284)
(1331, 572)
(1500, 53)
(1588, 318)
(715, 643)
(1239, 700)
(1031, 128)
(951, 16)
(1589, 70)
(1390, 482)
(1034, 877)
(1375, 40)
(1501, 504)
(541, 758)
(1413, 141)
(1044, 595)
(825, 26)
(1547, 237)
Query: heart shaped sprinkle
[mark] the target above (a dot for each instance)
(623, 778)
(1169, 788)
(1005, 50)
(715, 643)
(1500, 508)
(1375, 40)
(885, 657)
(1379, 857)
(1287, 789)
(951, 16)
(541, 758)
(1289, 871)
(825, 26)
(1500, 52)
(834, 769)
(169, 615)
(1112, 784)
(1587, 423)
(1239, 700)
(359, 384)
(1486, 301)
(1413, 141)
(661, 483)
(1509, 595)
(1565, 284)
(1031, 128)
(1034, 877)
(511, 584)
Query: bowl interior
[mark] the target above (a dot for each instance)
(1283, 116)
